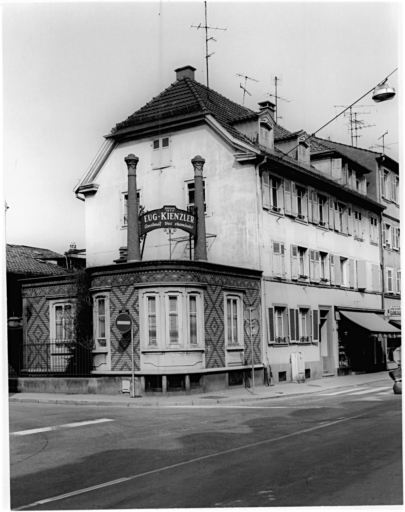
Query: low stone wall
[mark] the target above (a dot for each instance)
(69, 386)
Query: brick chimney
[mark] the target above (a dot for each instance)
(266, 104)
(186, 71)
(200, 247)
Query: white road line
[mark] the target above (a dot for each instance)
(219, 406)
(338, 392)
(366, 391)
(204, 457)
(57, 427)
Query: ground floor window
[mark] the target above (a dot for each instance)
(172, 317)
(233, 319)
(61, 321)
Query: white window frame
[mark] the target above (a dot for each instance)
(323, 266)
(358, 225)
(344, 271)
(161, 155)
(178, 315)
(68, 334)
(190, 203)
(304, 315)
(159, 323)
(395, 238)
(303, 258)
(388, 238)
(323, 210)
(398, 281)
(238, 299)
(101, 343)
(389, 272)
(124, 205)
(373, 229)
(302, 202)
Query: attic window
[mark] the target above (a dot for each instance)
(161, 153)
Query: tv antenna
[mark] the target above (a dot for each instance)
(277, 81)
(206, 27)
(383, 145)
(244, 87)
(355, 124)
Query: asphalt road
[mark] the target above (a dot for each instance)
(317, 450)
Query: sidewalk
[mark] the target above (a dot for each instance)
(230, 396)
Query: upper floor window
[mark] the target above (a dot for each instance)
(323, 266)
(125, 206)
(278, 260)
(161, 152)
(390, 280)
(398, 281)
(301, 202)
(190, 188)
(272, 193)
(395, 238)
(387, 235)
(344, 277)
(358, 228)
(323, 210)
(373, 230)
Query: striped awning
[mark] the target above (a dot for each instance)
(373, 323)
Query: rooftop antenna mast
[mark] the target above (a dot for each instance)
(277, 80)
(206, 27)
(383, 145)
(354, 122)
(244, 87)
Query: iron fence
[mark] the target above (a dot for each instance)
(53, 358)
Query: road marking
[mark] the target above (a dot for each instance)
(366, 391)
(219, 406)
(180, 464)
(57, 427)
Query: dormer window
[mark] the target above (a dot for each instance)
(161, 153)
(265, 135)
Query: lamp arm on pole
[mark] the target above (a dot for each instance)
(343, 111)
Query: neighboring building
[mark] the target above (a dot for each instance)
(284, 237)
(383, 186)
(25, 262)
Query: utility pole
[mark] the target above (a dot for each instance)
(206, 27)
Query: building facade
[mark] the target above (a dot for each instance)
(281, 238)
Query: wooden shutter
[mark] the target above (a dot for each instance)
(297, 324)
(345, 227)
(331, 212)
(383, 234)
(309, 324)
(287, 197)
(276, 259)
(361, 275)
(336, 216)
(315, 210)
(382, 191)
(326, 212)
(266, 190)
(338, 277)
(280, 194)
(312, 265)
(332, 268)
(282, 260)
(292, 325)
(393, 187)
(336, 168)
(351, 272)
(310, 204)
(271, 324)
(285, 325)
(375, 270)
(315, 325)
(304, 202)
(349, 219)
(294, 262)
(317, 266)
(293, 199)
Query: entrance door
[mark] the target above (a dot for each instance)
(326, 340)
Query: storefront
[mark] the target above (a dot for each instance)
(366, 341)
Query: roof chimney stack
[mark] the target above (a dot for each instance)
(267, 104)
(185, 71)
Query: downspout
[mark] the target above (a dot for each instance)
(259, 231)
(382, 241)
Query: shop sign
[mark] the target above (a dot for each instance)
(395, 310)
(168, 217)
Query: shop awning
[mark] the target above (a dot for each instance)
(371, 322)
(396, 323)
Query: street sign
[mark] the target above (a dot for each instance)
(123, 322)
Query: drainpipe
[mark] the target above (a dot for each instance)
(200, 248)
(382, 242)
(133, 244)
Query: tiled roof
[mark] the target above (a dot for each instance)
(187, 96)
(364, 157)
(22, 259)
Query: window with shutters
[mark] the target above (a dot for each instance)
(398, 281)
(302, 263)
(278, 325)
(315, 326)
(395, 238)
(324, 267)
(233, 319)
(304, 325)
(340, 217)
(395, 189)
(161, 153)
(390, 279)
(344, 271)
(387, 235)
(323, 210)
(361, 272)
(302, 200)
(125, 206)
(358, 227)
(172, 318)
(332, 268)
(386, 185)
(272, 193)
(278, 264)
(373, 230)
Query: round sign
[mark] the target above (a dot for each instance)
(123, 322)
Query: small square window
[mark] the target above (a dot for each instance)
(156, 144)
(165, 142)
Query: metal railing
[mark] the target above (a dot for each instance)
(53, 358)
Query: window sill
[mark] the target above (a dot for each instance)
(301, 221)
(374, 243)
(238, 347)
(274, 344)
(273, 212)
(100, 351)
(358, 238)
(323, 227)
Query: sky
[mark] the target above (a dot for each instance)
(72, 71)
